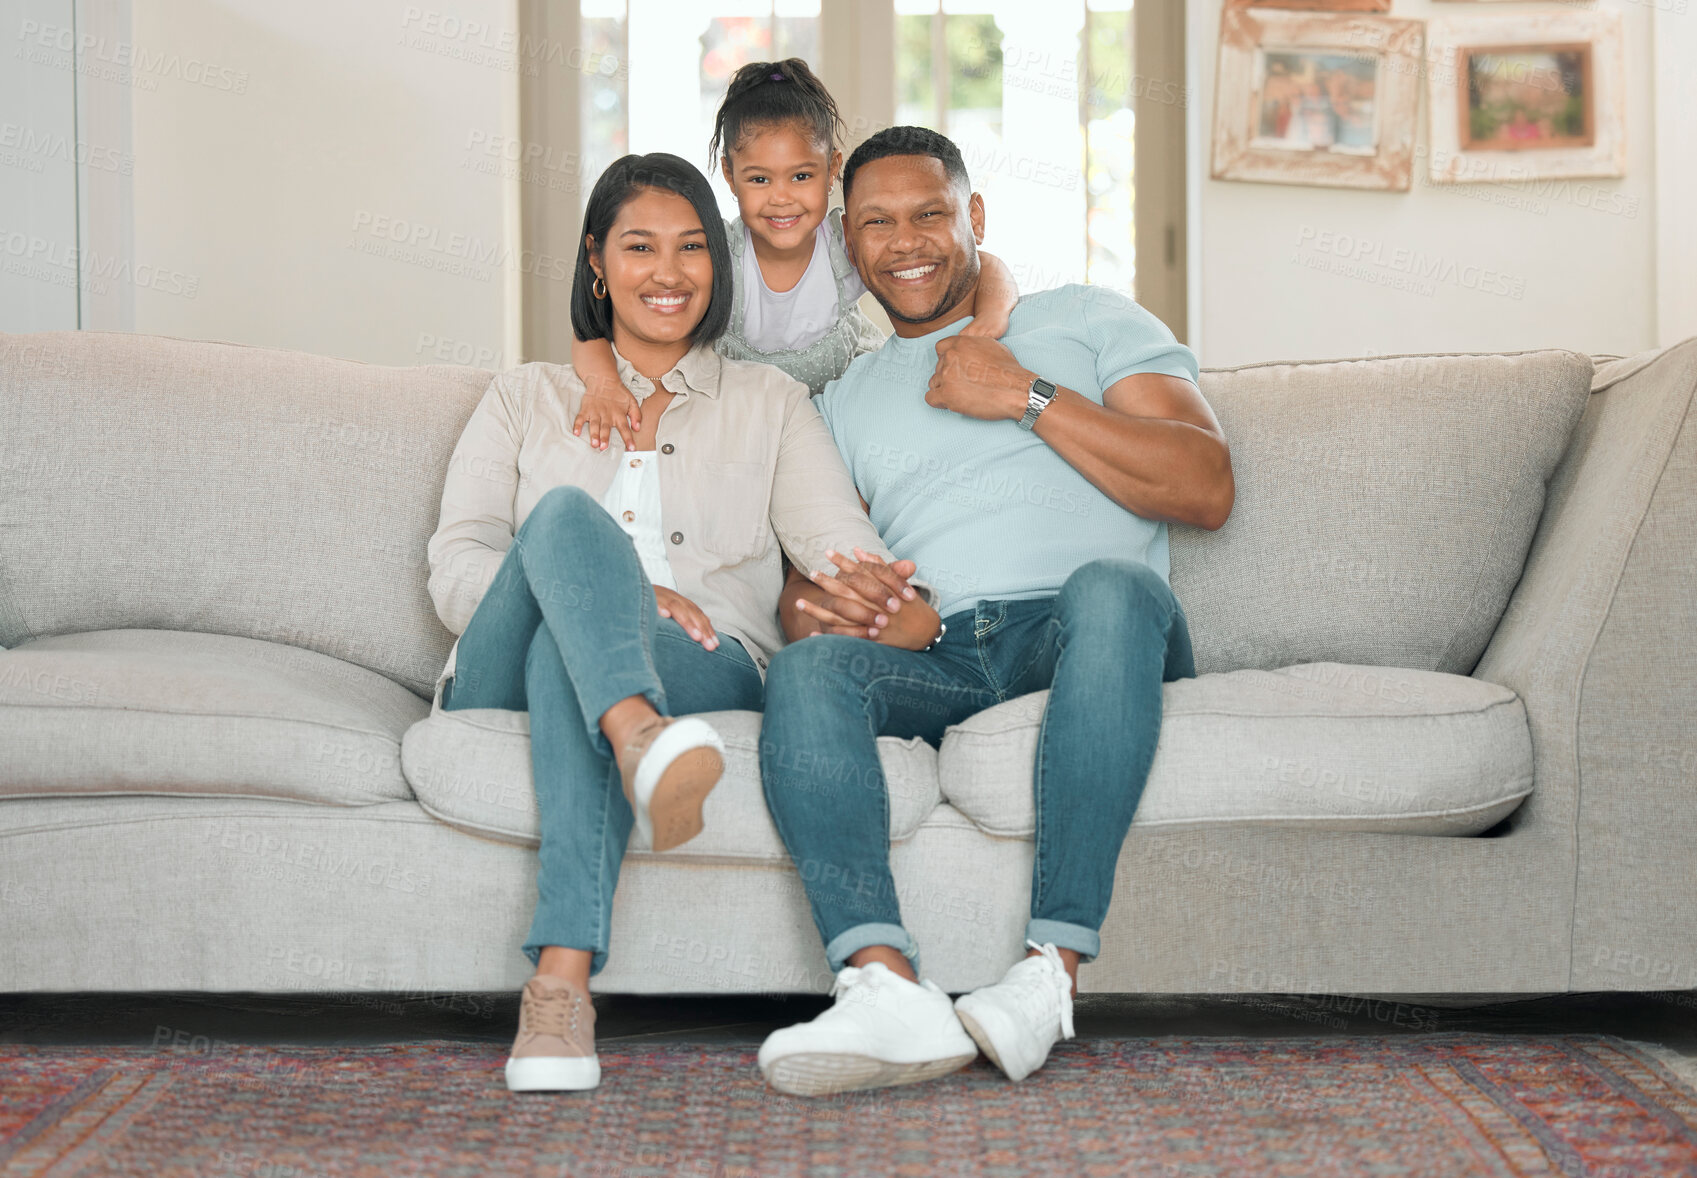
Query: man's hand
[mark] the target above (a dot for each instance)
(977, 376)
(687, 614)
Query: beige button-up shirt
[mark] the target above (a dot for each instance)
(746, 465)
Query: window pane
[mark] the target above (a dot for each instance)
(683, 54)
(603, 92)
(915, 106)
(1004, 74)
(1108, 146)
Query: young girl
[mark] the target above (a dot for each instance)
(795, 290)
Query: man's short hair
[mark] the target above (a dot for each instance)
(908, 141)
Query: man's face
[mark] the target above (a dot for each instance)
(913, 235)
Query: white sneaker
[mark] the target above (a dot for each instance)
(1017, 1020)
(884, 1030)
(668, 769)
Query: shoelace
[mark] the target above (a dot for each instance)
(847, 979)
(553, 1012)
(1041, 990)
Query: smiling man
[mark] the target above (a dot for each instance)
(1031, 479)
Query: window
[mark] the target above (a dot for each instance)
(1037, 96)
(682, 54)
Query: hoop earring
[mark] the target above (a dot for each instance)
(598, 288)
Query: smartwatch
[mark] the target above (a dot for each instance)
(1037, 399)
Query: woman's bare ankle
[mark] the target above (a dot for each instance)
(570, 964)
(887, 955)
(621, 720)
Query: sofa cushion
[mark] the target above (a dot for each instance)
(471, 769)
(1384, 507)
(1320, 746)
(165, 712)
(176, 485)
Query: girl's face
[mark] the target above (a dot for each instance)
(782, 181)
(658, 272)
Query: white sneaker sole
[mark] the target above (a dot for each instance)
(821, 1074)
(672, 782)
(985, 1043)
(553, 1073)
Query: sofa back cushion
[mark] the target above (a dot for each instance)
(152, 483)
(1384, 507)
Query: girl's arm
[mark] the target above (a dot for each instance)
(607, 404)
(997, 294)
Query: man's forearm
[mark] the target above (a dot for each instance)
(1152, 444)
(1159, 468)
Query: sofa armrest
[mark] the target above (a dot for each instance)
(1600, 642)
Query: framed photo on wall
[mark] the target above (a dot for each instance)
(1526, 96)
(1317, 5)
(1316, 98)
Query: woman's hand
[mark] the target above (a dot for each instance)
(687, 614)
(607, 406)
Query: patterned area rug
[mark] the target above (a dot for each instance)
(1436, 1105)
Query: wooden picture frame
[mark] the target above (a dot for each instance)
(1316, 5)
(1325, 99)
(1526, 96)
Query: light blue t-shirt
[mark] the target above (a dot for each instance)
(985, 509)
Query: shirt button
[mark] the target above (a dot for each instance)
(629, 516)
(666, 449)
(677, 537)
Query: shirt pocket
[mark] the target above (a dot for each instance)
(735, 509)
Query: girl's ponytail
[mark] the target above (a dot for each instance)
(765, 92)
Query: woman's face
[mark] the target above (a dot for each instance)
(658, 271)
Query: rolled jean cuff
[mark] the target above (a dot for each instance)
(613, 689)
(851, 941)
(1086, 942)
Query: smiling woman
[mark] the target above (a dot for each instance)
(592, 585)
(648, 225)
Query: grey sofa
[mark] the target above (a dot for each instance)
(1441, 737)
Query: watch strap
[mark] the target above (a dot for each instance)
(942, 629)
(1037, 399)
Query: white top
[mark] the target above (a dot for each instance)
(781, 321)
(633, 500)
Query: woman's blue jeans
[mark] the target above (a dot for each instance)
(568, 628)
(1102, 647)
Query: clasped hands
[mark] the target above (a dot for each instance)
(864, 599)
(868, 598)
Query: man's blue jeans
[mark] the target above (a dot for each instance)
(1102, 647)
(568, 628)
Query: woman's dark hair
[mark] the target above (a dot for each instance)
(592, 318)
(765, 92)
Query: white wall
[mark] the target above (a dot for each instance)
(309, 176)
(1581, 252)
